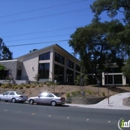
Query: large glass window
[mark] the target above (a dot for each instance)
(59, 73)
(70, 76)
(44, 70)
(45, 56)
(108, 79)
(117, 79)
(59, 58)
(77, 67)
(70, 64)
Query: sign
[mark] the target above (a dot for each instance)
(123, 124)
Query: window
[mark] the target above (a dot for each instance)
(70, 64)
(59, 73)
(117, 79)
(59, 58)
(6, 93)
(50, 95)
(45, 56)
(44, 70)
(77, 67)
(12, 93)
(70, 76)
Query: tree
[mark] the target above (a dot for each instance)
(112, 7)
(33, 50)
(2, 67)
(126, 69)
(5, 53)
(95, 47)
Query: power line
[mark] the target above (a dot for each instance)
(47, 31)
(27, 44)
(37, 38)
(41, 9)
(41, 17)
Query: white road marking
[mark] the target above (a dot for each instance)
(87, 119)
(33, 114)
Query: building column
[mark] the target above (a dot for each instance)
(103, 78)
(51, 71)
(123, 80)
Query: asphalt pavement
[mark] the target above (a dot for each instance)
(114, 102)
(19, 116)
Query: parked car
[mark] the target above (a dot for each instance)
(13, 96)
(47, 98)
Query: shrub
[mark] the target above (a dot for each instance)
(79, 92)
(21, 87)
(89, 92)
(33, 86)
(103, 93)
(68, 95)
(48, 84)
(27, 86)
(73, 93)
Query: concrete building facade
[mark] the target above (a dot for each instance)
(50, 63)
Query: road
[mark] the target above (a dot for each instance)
(41, 117)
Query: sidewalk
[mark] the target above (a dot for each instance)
(115, 102)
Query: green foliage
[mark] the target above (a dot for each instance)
(48, 84)
(21, 87)
(112, 8)
(126, 69)
(2, 67)
(27, 85)
(68, 95)
(99, 43)
(103, 93)
(73, 93)
(90, 92)
(5, 53)
(81, 80)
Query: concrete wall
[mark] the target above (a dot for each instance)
(16, 81)
(31, 64)
(10, 65)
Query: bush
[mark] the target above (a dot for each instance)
(73, 93)
(68, 95)
(27, 86)
(33, 86)
(78, 92)
(103, 93)
(89, 92)
(48, 84)
(21, 87)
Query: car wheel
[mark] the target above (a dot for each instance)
(13, 100)
(53, 103)
(31, 101)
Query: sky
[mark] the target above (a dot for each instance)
(35, 24)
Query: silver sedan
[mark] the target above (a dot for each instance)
(13, 96)
(47, 98)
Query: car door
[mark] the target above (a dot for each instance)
(10, 96)
(4, 97)
(47, 98)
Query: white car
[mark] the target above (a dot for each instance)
(47, 98)
(13, 96)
